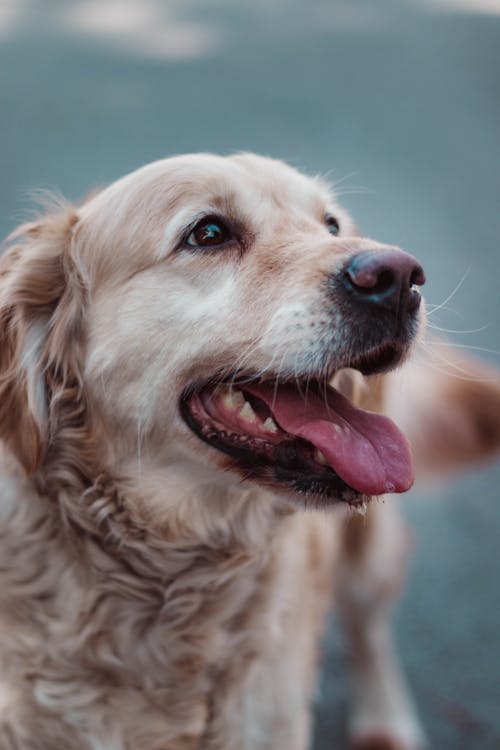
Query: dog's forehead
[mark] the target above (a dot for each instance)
(244, 184)
(282, 185)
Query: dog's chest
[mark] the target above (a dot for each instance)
(227, 658)
(266, 692)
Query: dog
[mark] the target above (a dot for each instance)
(193, 369)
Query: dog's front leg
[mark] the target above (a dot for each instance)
(371, 573)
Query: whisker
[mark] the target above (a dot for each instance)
(451, 330)
(325, 397)
(431, 309)
(341, 180)
(449, 374)
(466, 374)
(455, 290)
(260, 373)
(238, 366)
(243, 355)
(354, 190)
(308, 381)
(275, 394)
(475, 348)
(295, 376)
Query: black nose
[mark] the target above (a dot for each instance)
(385, 278)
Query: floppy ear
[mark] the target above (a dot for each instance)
(448, 406)
(41, 304)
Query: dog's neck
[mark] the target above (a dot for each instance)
(151, 525)
(175, 508)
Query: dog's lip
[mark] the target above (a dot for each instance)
(280, 461)
(366, 450)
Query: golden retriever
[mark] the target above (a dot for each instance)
(185, 478)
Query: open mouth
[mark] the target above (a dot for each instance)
(305, 438)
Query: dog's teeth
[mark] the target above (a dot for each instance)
(232, 400)
(247, 413)
(237, 399)
(319, 457)
(270, 425)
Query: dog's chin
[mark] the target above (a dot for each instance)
(301, 438)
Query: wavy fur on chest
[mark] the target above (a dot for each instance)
(117, 638)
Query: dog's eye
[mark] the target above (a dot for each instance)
(332, 225)
(209, 232)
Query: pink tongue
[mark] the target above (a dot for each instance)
(365, 449)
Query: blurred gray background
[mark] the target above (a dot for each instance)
(399, 101)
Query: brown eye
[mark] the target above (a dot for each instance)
(208, 233)
(332, 225)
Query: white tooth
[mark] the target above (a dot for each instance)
(270, 425)
(319, 457)
(247, 413)
(237, 399)
(232, 399)
(337, 428)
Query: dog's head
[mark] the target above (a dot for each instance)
(193, 314)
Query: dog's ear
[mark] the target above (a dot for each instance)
(41, 301)
(448, 405)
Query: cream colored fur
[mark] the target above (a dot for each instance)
(150, 598)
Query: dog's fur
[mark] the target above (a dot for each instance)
(150, 597)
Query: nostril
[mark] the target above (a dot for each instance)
(385, 282)
(417, 277)
(369, 278)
